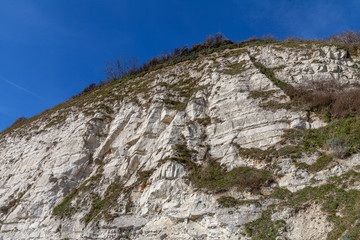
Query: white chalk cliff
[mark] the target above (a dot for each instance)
(105, 165)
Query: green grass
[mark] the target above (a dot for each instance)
(237, 68)
(66, 208)
(261, 94)
(264, 228)
(228, 201)
(341, 206)
(58, 229)
(270, 73)
(275, 105)
(180, 93)
(173, 104)
(101, 207)
(321, 163)
(291, 151)
(341, 136)
(213, 177)
(346, 131)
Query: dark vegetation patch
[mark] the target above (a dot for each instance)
(264, 227)
(202, 121)
(261, 94)
(328, 98)
(212, 176)
(18, 121)
(100, 207)
(321, 163)
(226, 201)
(292, 151)
(275, 105)
(14, 201)
(173, 104)
(235, 68)
(66, 207)
(270, 73)
(58, 229)
(111, 195)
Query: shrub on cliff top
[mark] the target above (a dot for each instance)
(350, 40)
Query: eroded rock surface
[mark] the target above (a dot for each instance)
(113, 172)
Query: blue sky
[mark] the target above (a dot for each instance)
(52, 49)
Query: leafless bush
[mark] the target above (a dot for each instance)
(347, 103)
(121, 67)
(349, 39)
(322, 93)
(124, 66)
(184, 50)
(293, 39)
(339, 100)
(211, 41)
(319, 99)
(269, 37)
(252, 38)
(18, 121)
(315, 94)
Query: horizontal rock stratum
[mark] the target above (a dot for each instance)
(197, 150)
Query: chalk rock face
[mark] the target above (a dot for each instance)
(120, 163)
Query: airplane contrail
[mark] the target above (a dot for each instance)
(20, 88)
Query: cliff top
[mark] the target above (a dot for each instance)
(139, 76)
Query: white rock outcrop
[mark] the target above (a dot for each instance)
(43, 162)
